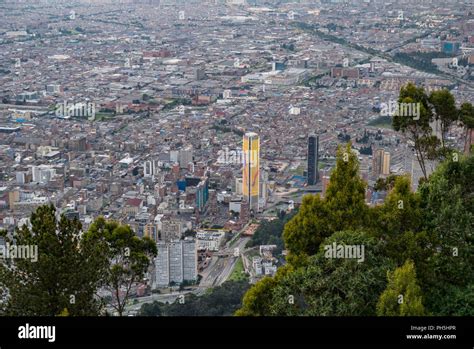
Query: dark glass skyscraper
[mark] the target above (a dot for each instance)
(313, 159)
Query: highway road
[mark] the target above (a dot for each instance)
(220, 268)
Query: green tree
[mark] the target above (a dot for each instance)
(307, 229)
(343, 208)
(270, 232)
(401, 210)
(151, 309)
(466, 115)
(384, 184)
(64, 313)
(415, 127)
(324, 286)
(448, 202)
(345, 195)
(330, 286)
(454, 300)
(446, 113)
(399, 223)
(403, 296)
(258, 300)
(129, 258)
(66, 275)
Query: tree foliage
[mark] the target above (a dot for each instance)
(325, 286)
(449, 214)
(466, 115)
(128, 255)
(415, 127)
(403, 295)
(66, 275)
(270, 233)
(445, 111)
(401, 210)
(345, 195)
(343, 208)
(222, 300)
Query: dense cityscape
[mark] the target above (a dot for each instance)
(235, 144)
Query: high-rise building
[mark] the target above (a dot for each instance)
(150, 168)
(263, 192)
(189, 253)
(386, 163)
(185, 156)
(313, 159)
(251, 170)
(377, 161)
(176, 262)
(42, 173)
(199, 73)
(202, 194)
(162, 269)
(151, 231)
(381, 163)
(238, 186)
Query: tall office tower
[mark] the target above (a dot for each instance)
(185, 156)
(162, 269)
(313, 159)
(386, 163)
(251, 170)
(381, 163)
(189, 248)
(147, 169)
(238, 186)
(377, 163)
(263, 189)
(176, 261)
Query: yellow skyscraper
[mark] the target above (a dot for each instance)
(251, 169)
